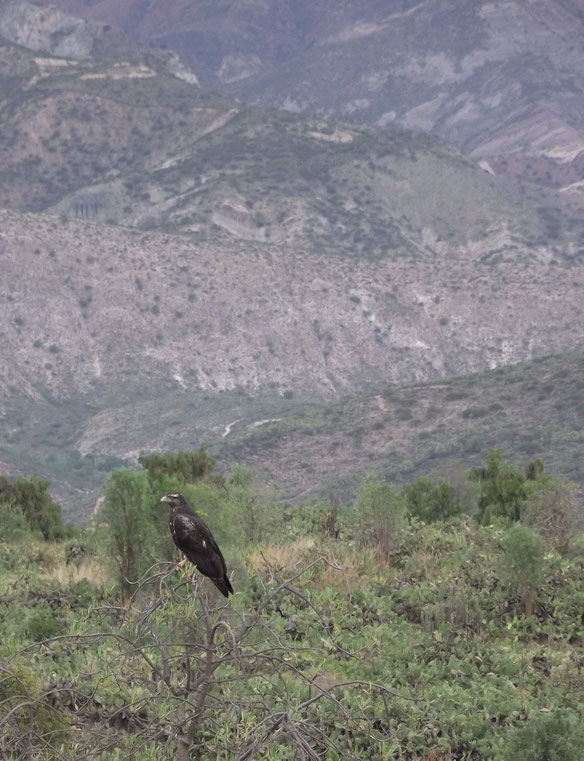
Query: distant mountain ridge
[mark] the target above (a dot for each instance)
(127, 142)
(502, 81)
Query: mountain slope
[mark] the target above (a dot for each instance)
(128, 143)
(529, 410)
(47, 30)
(262, 262)
(106, 305)
(502, 81)
(66, 123)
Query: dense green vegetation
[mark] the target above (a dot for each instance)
(423, 623)
(27, 507)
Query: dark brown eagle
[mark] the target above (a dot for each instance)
(195, 541)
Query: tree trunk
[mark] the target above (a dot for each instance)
(529, 601)
(183, 748)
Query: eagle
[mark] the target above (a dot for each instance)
(195, 541)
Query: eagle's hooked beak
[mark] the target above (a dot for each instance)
(165, 499)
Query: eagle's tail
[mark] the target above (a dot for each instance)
(223, 585)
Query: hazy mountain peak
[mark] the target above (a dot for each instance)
(48, 30)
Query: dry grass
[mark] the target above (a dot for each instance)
(70, 573)
(284, 558)
(342, 572)
(345, 571)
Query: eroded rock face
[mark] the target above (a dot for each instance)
(47, 30)
(87, 307)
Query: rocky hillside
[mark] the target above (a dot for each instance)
(443, 427)
(502, 81)
(117, 340)
(179, 268)
(90, 308)
(124, 142)
(47, 30)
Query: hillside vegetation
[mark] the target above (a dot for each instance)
(401, 629)
(533, 410)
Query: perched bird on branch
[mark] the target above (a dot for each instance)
(195, 541)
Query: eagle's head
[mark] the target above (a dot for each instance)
(173, 500)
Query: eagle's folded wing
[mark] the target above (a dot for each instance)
(195, 540)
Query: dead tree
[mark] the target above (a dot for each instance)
(199, 669)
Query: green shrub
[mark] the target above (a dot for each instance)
(30, 497)
(28, 712)
(500, 488)
(43, 624)
(523, 556)
(13, 523)
(431, 502)
(555, 736)
(131, 512)
(249, 506)
(380, 511)
(185, 466)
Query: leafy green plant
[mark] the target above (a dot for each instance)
(523, 557)
(381, 515)
(431, 502)
(13, 523)
(549, 736)
(501, 489)
(30, 497)
(27, 714)
(130, 518)
(248, 504)
(42, 624)
(186, 466)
